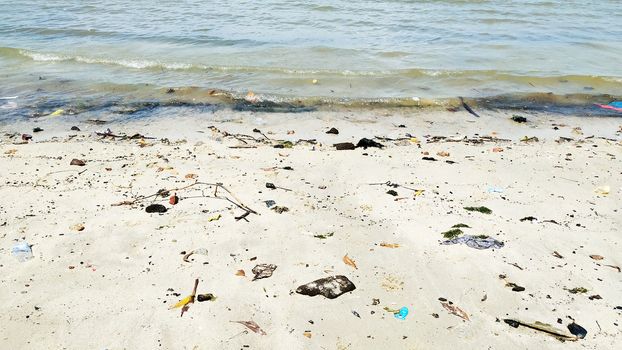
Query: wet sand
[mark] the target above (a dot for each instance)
(111, 285)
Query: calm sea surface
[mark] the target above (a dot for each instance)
(330, 50)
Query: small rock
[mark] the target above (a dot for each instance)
(37, 129)
(333, 131)
(368, 143)
(75, 128)
(155, 208)
(263, 271)
(330, 287)
(577, 330)
(344, 146)
(77, 162)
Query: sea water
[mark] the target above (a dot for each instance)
(55, 53)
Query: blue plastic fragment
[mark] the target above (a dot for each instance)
(401, 315)
(616, 104)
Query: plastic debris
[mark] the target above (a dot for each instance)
(155, 208)
(330, 287)
(402, 313)
(22, 251)
(57, 112)
(252, 326)
(356, 314)
(477, 242)
(263, 271)
(614, 106)
(270, 203)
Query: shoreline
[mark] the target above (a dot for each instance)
(111, 284)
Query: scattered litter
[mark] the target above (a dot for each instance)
(519, 119)
(515, 287)
(482, 210)
(214, 218)
(595, 297)
(615, 267)
(596, 257)
(529, 139)
(155, 208)
(477, 242)
(307, 334)
(392, 192)
(401, 314)
(240, 273)
(270, 203)
(603, 190)
(206, 297)
(542, 327)
(26, 137)
(365, 143)
(356, 314)
(389, 245)
(174, 199)
(453, 309)
(333, 131)
(37, 129)
(22, 251)
(57, 112)
(330, 287)
(614, 106)
(184, 303)
(325, 235)
(201, 251)
(270, 186)
(577, 330)
(557, 255)
(344, 146)
(77, 162)
(529, 218)
(191, 176)
(432, 159)
(280, 209)
(252, 326)
(263, 271)
(348, 261)
(77, 227)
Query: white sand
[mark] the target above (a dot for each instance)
(125, 260)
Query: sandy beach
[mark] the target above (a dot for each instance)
(104, 273)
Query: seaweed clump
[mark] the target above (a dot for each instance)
(453, 233)
(482, 210)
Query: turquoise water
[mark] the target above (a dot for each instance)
(318, 51)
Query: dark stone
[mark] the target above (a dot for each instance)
(270, 186)
(512, 323)
(519, 119)
(77, 162)
(333, 131)
(155, 208)
(392, 192)
(429, 158)
(330, 287)
(37, 129)
(344, 146)
(577, 330)
(75, 128)
(368, 143)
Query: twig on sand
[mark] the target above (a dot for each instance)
(229, 196)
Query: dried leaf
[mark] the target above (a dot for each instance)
(348, 261)
(77, 227)
(191, 176)
(596, 257)
(252, 326)
(389, 245)
(307, 334)
(240, 273)
(455, 310)
(442, 154)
